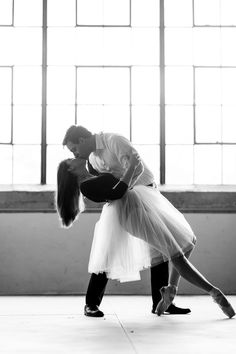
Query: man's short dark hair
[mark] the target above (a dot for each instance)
(74, 133)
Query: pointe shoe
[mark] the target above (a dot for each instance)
(223, 303)
(167, 293)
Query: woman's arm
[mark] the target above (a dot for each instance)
(106, 187)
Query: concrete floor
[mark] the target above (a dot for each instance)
(56, 324)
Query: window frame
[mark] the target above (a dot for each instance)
(12, 16)
(11, 67)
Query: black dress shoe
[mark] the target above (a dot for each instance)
(174, 310)
(92, 311)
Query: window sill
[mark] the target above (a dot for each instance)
(188, 199)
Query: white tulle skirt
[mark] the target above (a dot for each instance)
(140, 230)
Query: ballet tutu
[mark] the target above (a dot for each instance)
(138, 231)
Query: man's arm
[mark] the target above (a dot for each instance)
(123, 150)
(106, 187)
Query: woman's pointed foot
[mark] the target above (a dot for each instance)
(223, 303)
(167, 296)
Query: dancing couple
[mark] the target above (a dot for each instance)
(138, 227)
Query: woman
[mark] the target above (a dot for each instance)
(138, 227)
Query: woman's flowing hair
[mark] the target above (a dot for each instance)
(67, 198)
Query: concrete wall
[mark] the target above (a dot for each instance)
(37, 256)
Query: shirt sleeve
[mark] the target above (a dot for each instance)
(123, 149)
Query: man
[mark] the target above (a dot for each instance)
(107, 152)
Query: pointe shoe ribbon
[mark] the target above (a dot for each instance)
(167, 293)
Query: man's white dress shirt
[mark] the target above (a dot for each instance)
(112, 156)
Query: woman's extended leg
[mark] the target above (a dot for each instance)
(168, 292)
(190, 273)
(174, 274)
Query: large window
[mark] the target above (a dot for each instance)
(20, 91)
(103, 73)
(200, 101)
(111, 65)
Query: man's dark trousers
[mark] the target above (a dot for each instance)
(98, 282)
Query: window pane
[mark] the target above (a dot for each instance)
(59, 119)
(103, 12)
(179, 125)
(6, 12)
(117, 46)
(87, 17)
(6, 164)
(228, 10)
(145, 85)
(61, 12)
(26, 164)
(145, 46)
(117, 120)
(228, 50)
(178, 46)
(207, 12)
(228, 85)
(208, 86)
(116, 86)
(22, 9)
(207, 164)
(89, 48)
(179, 85)
(178, 13)
(27, 46)
(103, 86)
(91, 117)
(151, 156)
(55, 154)
(6, 45)
(179, 164)
(229, 124)
(229, 164)
(207, 46)
(116, 12)
(61, 46)
(5, 85)
(145, 13)
(90, 86)
(145, 124)
(61, 85)
(27, 124)
(5, 124)
(208, 124)
(27, 86)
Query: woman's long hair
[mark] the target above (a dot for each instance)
(68, 193)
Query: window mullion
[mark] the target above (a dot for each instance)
(162, 94)
(44, 95)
